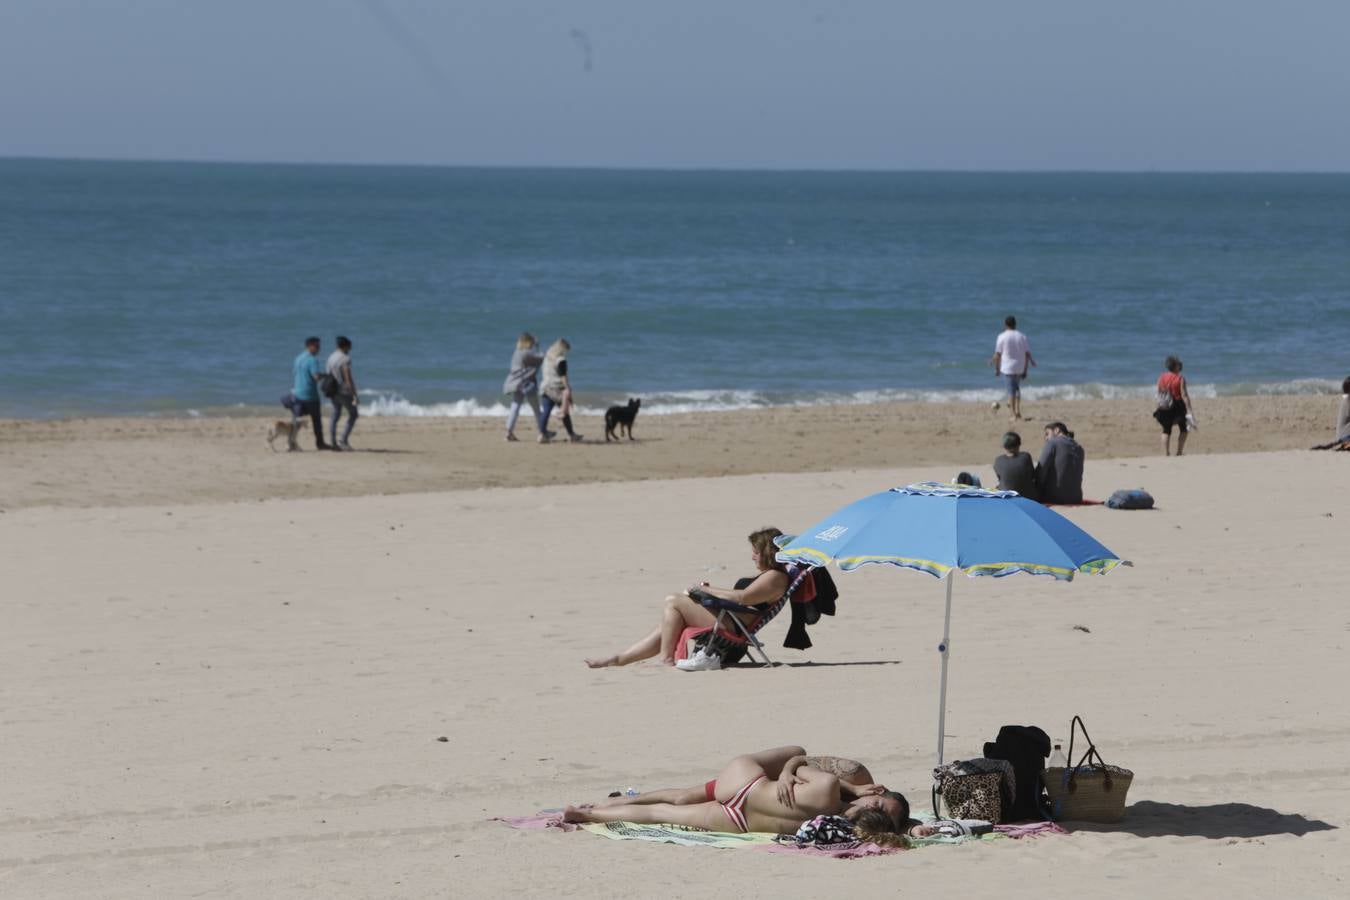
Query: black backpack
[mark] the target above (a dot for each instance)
(1026, 747)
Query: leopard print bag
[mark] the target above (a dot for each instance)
(970, 796)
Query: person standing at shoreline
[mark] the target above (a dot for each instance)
(1012, 357)
(344, 398)
(1174, 405)
(305, 391)
(557, 387)
(522, 383)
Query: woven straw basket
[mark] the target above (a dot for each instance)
(1090, 790)
(1092, 794)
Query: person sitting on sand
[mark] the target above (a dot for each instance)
(759, 793)
(1059, 473)
(683, 611)
(1015, 470)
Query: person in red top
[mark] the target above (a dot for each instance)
(1173, 384)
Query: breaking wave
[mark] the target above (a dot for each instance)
(391, 403)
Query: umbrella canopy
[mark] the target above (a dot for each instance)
(944, 528)
(936, 528)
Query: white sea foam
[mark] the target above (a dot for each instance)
(391, 403)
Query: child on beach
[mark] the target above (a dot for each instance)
(1015, 470)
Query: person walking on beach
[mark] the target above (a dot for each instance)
(305, 390)
(1174, 405)
(1015, 470)
(1059, 473)
(1012, 357)
(522, 384)
(339, 367)
(557, 387)
(1343, 414)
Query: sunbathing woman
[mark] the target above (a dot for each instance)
(746, 797)
(780, 763)
(682, 611)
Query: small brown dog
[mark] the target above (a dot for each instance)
(283, 428)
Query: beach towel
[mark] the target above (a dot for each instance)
(551, 819)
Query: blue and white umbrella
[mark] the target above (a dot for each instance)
(944, 528)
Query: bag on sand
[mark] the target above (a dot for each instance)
(1089, 791)
(1026, 747)
(1137, 498)
(969, 796)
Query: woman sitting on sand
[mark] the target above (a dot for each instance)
(761, 793)
(683, 611)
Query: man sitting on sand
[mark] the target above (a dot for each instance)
(1059, 473)
(773, 791)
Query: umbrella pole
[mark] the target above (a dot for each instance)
(944, 648)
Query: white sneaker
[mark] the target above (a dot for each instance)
(700, 662)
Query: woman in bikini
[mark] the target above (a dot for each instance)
(682, 611)
(778, 763)
(772, 791)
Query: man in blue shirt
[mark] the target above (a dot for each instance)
(308, 370)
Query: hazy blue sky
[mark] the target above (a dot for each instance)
(958, 84)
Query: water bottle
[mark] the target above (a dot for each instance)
(1057, 760)
(630, 792)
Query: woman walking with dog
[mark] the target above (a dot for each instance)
(522, 384)
(557, 387)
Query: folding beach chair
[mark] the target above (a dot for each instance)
(731, 637)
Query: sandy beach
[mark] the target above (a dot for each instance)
(117, 462)
(224, 672)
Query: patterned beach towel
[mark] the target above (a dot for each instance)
(551, 819)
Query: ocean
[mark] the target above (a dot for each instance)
(180, 289)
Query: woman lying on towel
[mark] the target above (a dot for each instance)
(772, 791)
(682, 611)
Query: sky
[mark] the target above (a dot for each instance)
(1214, 85)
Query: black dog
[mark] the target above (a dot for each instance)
(618, 418)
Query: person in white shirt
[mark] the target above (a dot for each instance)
(1012, 357)
(344, 398)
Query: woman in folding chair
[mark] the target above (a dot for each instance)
(682, 611)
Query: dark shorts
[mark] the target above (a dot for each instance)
(1014, 383)
(1174, 416)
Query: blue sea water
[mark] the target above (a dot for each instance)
(167, 288)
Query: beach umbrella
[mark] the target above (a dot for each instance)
(945, 528)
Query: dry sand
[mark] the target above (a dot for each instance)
(114, 462)
(207, 698)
